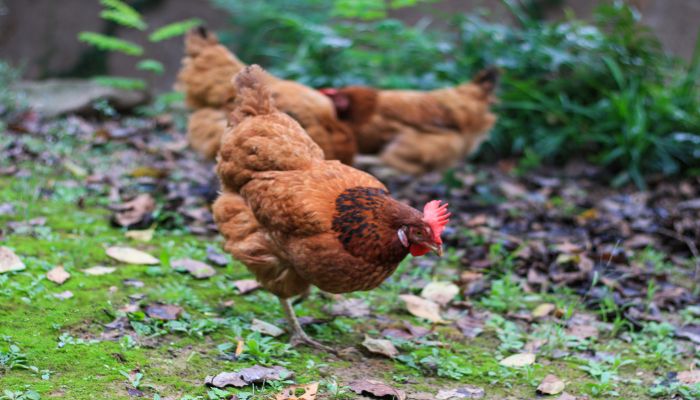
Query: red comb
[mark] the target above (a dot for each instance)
(437, 216)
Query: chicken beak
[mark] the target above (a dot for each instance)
(437, 248)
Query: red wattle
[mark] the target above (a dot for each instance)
(417, 250)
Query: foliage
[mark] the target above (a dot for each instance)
(604, 90)
(122, 14)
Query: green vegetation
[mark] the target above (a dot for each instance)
(123, 14)
(603, 90)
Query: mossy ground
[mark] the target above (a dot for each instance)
(58, 337)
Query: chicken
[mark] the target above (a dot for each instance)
(417, 132)
(295, 219)
(205, 77)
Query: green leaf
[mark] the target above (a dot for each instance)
(122, 19)
(174, 29)
(108, 43)
(151, 65)
(362, 9)
(121, 82)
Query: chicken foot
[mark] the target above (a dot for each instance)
(296, 333)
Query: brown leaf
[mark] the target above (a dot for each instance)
(247, 376)
(145, 235)
(440, 292)
(380, 346)
(246, 286)
(689, 377)
(57, 275)
(551, 385)
(422, 308)
(566, 396)
(164, 312)
(466, 392)
(518, 360)
(353, 308)
(136, 212)
(131, 256)
(470, 327)
(543, 310)
(195, 268)
(265, 328)
(289, 393)
(376, 389)
(216, 257)
(690, 332)
(9, 261)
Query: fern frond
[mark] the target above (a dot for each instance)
(104, 42)
(120, 7)
(128, 20)
(151, 65)
(174, 29)
(120, 82)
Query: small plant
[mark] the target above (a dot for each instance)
(122, 14)
(605, 374)
(505, 295)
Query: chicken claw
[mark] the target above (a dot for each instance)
(297, 334)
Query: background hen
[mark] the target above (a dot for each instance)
(205, 77)
(295, 219)
(415, 131)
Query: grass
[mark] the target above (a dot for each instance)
(51, 349)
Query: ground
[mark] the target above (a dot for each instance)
(554, 265)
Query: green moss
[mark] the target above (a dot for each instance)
(49, 331)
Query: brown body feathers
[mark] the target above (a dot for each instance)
(205, 77)
(417, 131)
(293, 218)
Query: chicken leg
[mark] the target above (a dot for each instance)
(296, 333)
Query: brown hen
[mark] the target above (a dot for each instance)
(415, 131)
(295, 219)
(205, 77)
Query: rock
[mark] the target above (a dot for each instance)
(55, 97)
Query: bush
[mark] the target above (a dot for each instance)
(602, 90)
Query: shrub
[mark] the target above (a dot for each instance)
(603, 90)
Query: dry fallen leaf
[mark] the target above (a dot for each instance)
(353, 308)
(57, 275)
(422, 308)
(145, 235)
(518, 360)
(99, 270)
(246, 286)
(543, 310)
(467, 392)
(376, 389)
(136, 212)
(380, 346)
(440, 292)
(131, 256)
(689, 377)
(195, 268)
(551, 385)
(247, 376)
(9, 261)
(566, 396)
(265, 328)
(290, 393)
(164, 312)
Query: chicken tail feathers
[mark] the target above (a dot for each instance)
(254, 98)
(487, 78)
